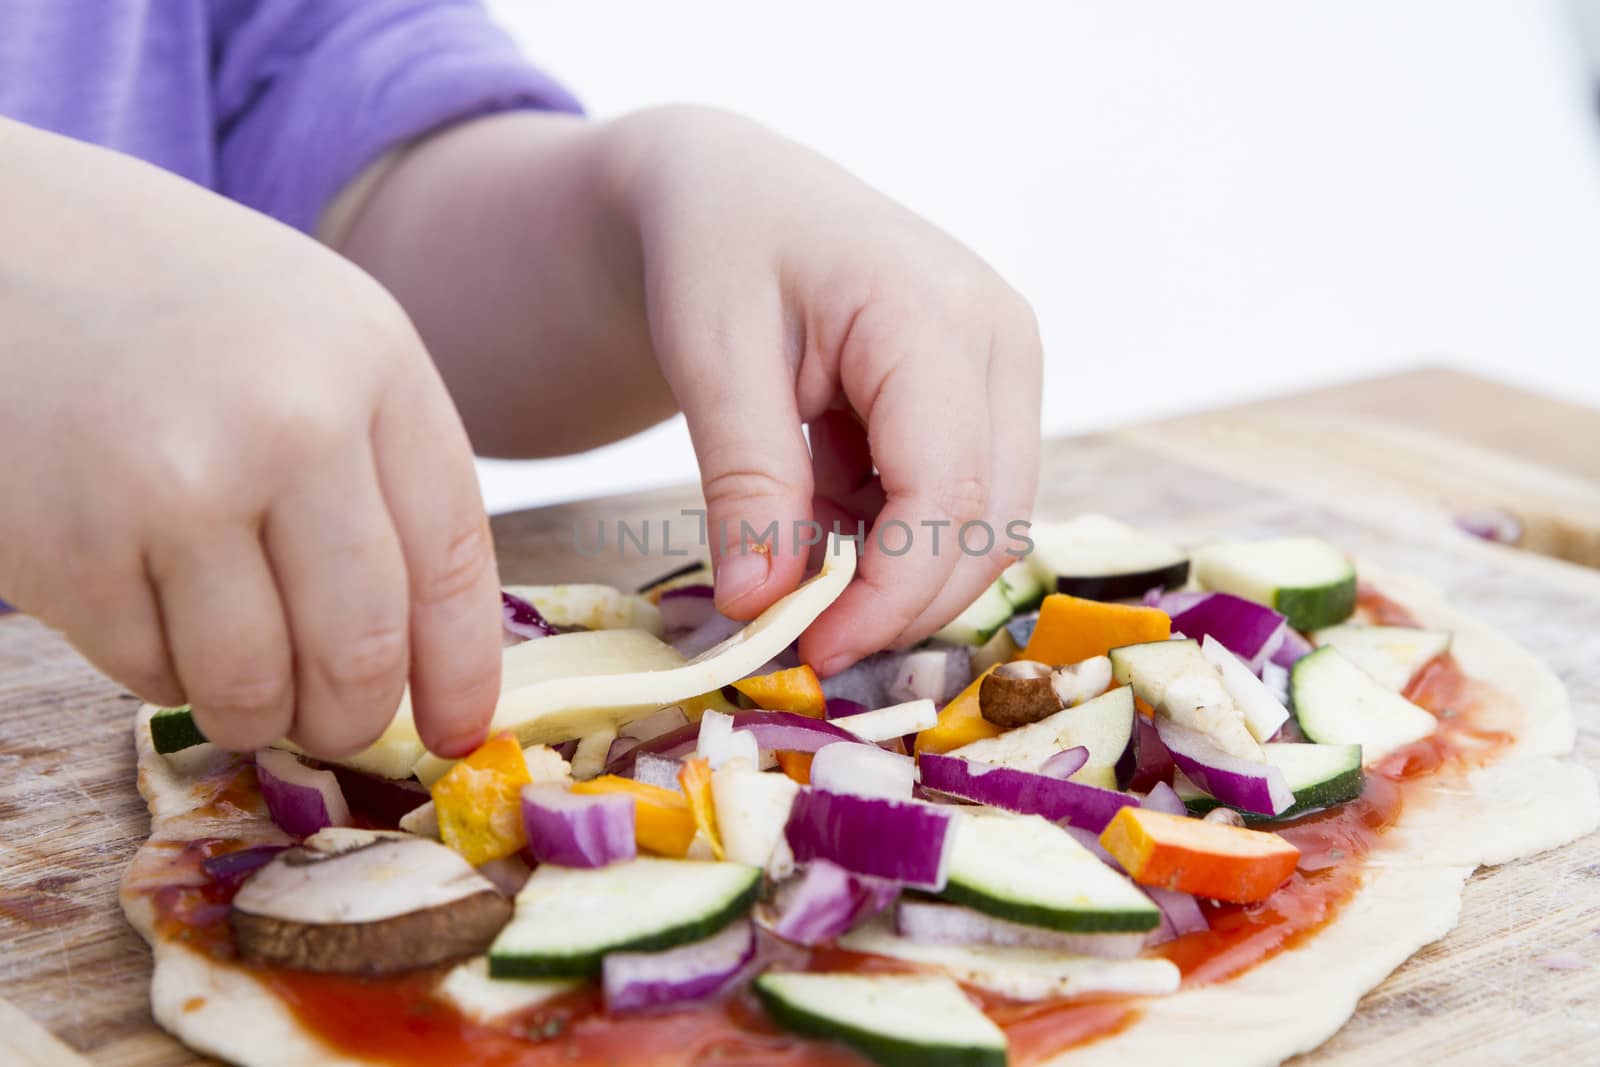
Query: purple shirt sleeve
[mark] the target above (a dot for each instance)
(309, 92)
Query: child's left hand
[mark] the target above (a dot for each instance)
(772, 290)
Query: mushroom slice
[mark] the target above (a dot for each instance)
(386, 905)
(1018, 693)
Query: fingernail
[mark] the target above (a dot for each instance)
(739, 574)
(460, 745)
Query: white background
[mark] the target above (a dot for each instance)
(1204, 202)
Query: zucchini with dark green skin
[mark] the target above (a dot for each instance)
(1305, 579)
(567, 919)
(1320, 776)
(893, 1020)
(173, 730)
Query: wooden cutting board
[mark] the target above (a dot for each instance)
(1517, 981)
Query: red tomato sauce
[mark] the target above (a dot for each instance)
(399, 1021)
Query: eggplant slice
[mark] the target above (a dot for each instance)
(381, 907)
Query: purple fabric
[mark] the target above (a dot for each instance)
(274, 103)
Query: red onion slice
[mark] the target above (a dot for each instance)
(839, 708)
(1162, 797)
(950, 924)
(825, 901)
(719, 742)
(1249, 785)
(578, 830)
(1180, 914)
(901, 841)
(232, 868)
(711, 633)
(638, 981)
(299, 799)
(1491, 524)
(686, 609)
(1294, 647)
(1249, 630)
(1066, 763)
(863, 771)
(1152, 762)
(1022, 791)
(522, 619)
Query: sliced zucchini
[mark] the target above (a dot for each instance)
(982, 618)
(566, 920)
(173, 730)
(1021, 586)
(1337, 703)
(1026, 870)
(1303, 578)
(893, 1020)
(1103, 725)
(1320, 776)
(1391, 654)
(1099, 558)
(1021, 973)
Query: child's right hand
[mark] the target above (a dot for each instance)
(230, 461)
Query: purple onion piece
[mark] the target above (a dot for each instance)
(1152, 762)
(567, 749)
(1180, 914)
(1023, 791)
(1249, 785)
(899, 841)
(1091, 841)
(1174, 603)
(638, 981)
(578, 830)
(825, 901)
(522, 618)
(839, 707)
(778, 731)
(1249, 630)
(1293, 649)
(1066, 763)
(675, 744)
(300, 800)
(1162, 797)
(383, 800)
(864, 682)
(686, 609)
(232, 868)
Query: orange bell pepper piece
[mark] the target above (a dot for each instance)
(662, 822)
(1206, 859)
(479, 801)
(695, 777)
(1071, 629)
(795, 689)
(796, 765)
(960, 722)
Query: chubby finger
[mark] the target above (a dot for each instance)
(726, 367)
(226, 634)
(118, 628)
(425, 468)
(933, 457)
(343, 583)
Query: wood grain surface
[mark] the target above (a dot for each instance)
(1517, 982)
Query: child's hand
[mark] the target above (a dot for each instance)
(558, 269)
(233, 477)
(781, 291)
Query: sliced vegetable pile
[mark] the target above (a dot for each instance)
(1026, 805)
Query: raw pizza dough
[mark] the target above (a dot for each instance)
(1287, 1005)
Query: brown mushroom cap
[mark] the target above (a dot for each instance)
(1018, 693)
(393, 904)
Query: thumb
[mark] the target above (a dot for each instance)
(738, 395)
